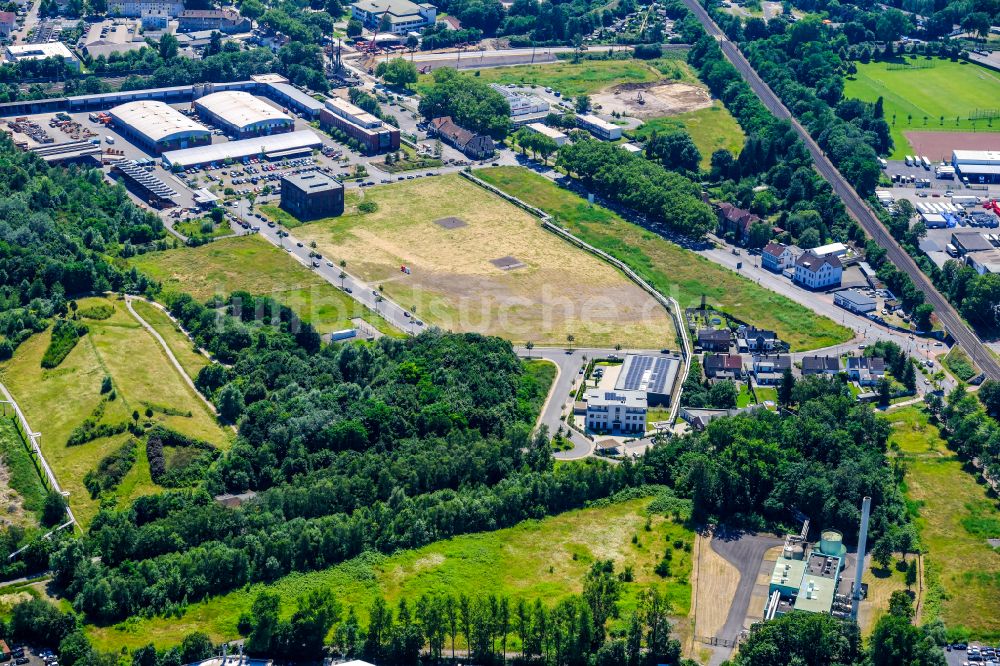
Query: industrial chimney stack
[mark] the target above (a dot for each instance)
(866, 506)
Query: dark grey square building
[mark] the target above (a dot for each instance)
(312, 195)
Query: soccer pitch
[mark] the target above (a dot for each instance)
(929, 95)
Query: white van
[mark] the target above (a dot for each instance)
(110, 139)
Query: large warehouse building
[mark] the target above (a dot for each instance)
(158, 127)
(242, 115)
(290, 144)
(977, 166)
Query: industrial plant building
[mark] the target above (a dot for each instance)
(809, 582)
(158, 127)
(280, 146)
(396, 16)
(373, 134)
(242, 115)
(810, 578)
(977, 166)
(285, 93)
(653, 376)
(312, 195)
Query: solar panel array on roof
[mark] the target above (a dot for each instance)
(651, 374)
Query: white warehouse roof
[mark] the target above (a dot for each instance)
(237, 150)
(157, 121)
(240, 109)
(838, 249)
(39, 51)
(966, 157)
(591, 119)
(545, 130)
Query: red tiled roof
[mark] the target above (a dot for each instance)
(775, 249)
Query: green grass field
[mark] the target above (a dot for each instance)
(253, 264)
(954, 516)
(279, 215)
(180, 345)
(673, 270)
(581, 78)
(193, 229)
(544, 559)
(56, 401)
(948, 90)
(21, 490)
(711, 129)
(552, 291)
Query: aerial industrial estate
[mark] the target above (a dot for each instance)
(300, 305)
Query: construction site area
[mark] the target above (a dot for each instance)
(652, 100)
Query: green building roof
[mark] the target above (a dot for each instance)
(787, 576)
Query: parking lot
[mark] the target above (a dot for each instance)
(975, 655)
(938, 186)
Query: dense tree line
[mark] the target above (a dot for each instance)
(471, 103)
(352, 448)
(526, 21)
(821, 459)
(822, 640)
(807, 210)
(60, 230)
(638, 183)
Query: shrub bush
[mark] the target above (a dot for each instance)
(111, 469)
(65, 335)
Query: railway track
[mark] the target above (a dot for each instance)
(856, 206)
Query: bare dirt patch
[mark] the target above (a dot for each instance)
(451, 223)
(717, 582)
(938, 145)
(652, 100)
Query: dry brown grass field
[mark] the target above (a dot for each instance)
(553, 291)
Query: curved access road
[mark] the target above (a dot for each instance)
(170, 355)
(855, 205)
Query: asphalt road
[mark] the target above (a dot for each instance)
(569, 363)
(360, 290)
(745, 552)
(855, 205)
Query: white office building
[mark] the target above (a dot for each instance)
(616, 411)
(401, 16)
(521, 104)
(550, 132)
(599, 127)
